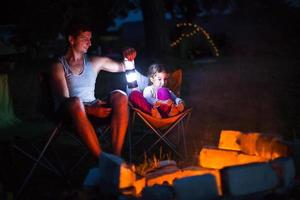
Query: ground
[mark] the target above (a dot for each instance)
(253, 87)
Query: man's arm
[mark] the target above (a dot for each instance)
(58, 82)
(107, 64)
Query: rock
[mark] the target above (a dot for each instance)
(196, 171)
(229, 140)
(162, 175)
(263, 145)
(139, 185)
(212, 157)
(92, 179)
(248, 179)
(158, 192)
(285, 169)
(115, 174)
(196, 187)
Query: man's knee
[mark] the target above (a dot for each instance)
(74, 104)
(119, 97)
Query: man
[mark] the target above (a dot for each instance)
(73, 80)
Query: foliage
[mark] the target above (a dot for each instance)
(39, 22)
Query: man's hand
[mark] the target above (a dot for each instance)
(102, 112)
(99, 110)
(129, 54)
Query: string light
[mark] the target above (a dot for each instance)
(195, 29)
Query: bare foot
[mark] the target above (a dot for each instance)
(174, 111)
(155, 113)
(180, 107)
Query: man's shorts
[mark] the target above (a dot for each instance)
(62, 113)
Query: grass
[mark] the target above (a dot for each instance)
(151, 162)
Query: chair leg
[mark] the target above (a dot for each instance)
(37, 161)
(162, 136)
(184, 129)
(183, 139)
(129, 132)
(46, 166)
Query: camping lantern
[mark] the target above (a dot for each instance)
(130, 73)
(131, 78)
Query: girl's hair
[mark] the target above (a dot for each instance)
(156, 68)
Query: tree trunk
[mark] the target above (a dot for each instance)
(155, 27)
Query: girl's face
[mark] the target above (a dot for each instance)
(159, 79)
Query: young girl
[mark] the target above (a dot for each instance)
(157, 100)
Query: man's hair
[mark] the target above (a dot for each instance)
(74, 29)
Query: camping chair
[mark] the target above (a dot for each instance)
(162, 128)
(60, 127)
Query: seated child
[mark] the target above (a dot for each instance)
(157, 100)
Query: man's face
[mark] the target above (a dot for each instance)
(82, 42)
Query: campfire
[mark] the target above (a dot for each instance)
(241, 164)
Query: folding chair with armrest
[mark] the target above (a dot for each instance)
(47, 108)
(162, 128)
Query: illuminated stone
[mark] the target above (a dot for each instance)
(139, 185)
(163, 175)
(229, 139)
(212, 157)
(170, 174)
(267, 146)
(271, 147)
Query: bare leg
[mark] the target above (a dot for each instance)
(155, 113)
(119, 120)
(83, 126)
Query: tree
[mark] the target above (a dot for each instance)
(155, 27)
(39, 22)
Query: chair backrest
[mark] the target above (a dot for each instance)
(46, 101)
(175, 81)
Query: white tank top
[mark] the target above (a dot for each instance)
(83, 84)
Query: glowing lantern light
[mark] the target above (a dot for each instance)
(130, 73)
